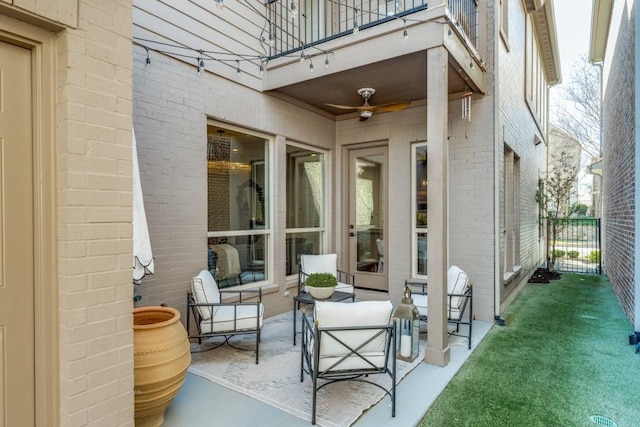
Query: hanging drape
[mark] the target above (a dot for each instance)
(142, 255)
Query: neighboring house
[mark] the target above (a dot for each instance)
(306, 177)
(564, 152)
(613, 45)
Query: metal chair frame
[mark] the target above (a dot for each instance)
(312, 336)
(227, 334)
(457, 319)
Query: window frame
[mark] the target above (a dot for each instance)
(415, 230)
(267, 231)
(324, 238)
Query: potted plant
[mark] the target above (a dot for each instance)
(321, 285)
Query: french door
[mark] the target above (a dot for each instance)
(367, 216)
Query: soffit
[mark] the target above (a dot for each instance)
(398, 79)
(600, 23)
(545, 27)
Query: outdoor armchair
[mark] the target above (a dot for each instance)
(325, 263)
(349, 341)
(459, 297)
(216, 318)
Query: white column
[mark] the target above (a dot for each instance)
(437, 352)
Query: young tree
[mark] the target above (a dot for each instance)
(553, 196)
(575, 107)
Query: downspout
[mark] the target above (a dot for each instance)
(497, 152)
(636, 272)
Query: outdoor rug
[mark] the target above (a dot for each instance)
(276, 380)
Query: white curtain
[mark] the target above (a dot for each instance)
(142, 255)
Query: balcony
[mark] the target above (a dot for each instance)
(298, 24)
(322, 52)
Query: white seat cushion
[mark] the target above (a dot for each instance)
(343, 287)
(223, 319)
(457, 281)
(420, 301)
(456, 284)
(205, 291)
(363, 313)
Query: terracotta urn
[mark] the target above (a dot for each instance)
(161, 358)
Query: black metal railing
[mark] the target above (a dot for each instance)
(294, 25)
(576, 244)
(465, 13)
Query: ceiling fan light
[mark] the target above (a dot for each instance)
(366, 114)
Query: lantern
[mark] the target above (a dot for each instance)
(408, 327)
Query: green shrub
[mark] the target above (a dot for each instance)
(559, 253)
(573, 254)
(594, 257)
(321, 280)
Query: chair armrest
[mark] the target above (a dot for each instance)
(302, 277)
(421, 286)
(346, 277)
(223, 304)
(466, 296)
(240, 293)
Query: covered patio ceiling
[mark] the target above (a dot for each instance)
(399, 79)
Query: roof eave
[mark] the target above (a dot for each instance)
(545, 23)
(600, 23)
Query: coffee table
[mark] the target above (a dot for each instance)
(306, 298)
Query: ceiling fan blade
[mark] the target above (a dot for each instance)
(342, 107)
(396, 106)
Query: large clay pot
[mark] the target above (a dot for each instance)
(161, 358)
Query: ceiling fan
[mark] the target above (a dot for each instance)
(366, 110)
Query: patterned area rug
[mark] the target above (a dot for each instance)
(276, 380)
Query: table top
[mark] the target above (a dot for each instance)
(336, 296)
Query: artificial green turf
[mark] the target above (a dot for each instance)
(563, 356)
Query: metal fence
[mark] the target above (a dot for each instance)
(577, 244)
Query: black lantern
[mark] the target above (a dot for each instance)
(408, 328)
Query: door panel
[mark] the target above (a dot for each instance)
(17, 377)
(367, 216)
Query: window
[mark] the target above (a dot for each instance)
(511, 183)
(419, 184)
(238, 205)
(535, 79)
(305, 204)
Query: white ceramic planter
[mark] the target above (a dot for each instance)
(321, 293)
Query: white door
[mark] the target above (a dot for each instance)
(367, 216)
(17, 372)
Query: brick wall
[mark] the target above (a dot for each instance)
(517, 131)
(94, 215)
(171, 106)
(619, 168)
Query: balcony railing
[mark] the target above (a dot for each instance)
(298, 24)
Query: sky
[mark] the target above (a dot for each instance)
(573, 28)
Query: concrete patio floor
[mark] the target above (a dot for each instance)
(201, 402)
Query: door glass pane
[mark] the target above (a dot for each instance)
(370, 187)
(421, 209)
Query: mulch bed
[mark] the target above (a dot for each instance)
(543, 275)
